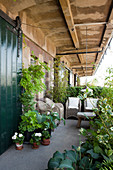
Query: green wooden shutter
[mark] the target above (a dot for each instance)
(10, 74)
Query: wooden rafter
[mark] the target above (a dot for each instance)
(66, 8)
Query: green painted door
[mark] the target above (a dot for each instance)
(10, 74)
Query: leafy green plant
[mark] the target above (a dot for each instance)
(75, 159)
(29, 121)
(36, 138)
(31, 82)
(27, 100)
(100, 136)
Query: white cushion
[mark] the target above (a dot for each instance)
(73, 102)
(89, 108)
(88, 114)
(91, 103)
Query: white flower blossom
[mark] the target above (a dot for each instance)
(14, 137)
(45, 129)
(16, 133)
(81, 130)
(38, 134)
(48, 113)
(111, 128)
(20, 135)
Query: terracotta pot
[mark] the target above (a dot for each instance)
(46, 142)
(19, 146)
(35, 146)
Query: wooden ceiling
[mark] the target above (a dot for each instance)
(75, 26)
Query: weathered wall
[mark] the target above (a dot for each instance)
(30, 47)
(36, 35)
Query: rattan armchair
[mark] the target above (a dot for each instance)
(57, 107)
(73, 106)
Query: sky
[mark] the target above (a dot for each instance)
(100, 73)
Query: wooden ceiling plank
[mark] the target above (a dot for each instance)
(66, 8)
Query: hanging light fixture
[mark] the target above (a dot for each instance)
(86, 88)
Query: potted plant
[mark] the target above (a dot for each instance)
(29, 124)
(45, 137)
(35, 140)
(18, 139)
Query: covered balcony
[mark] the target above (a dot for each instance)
(46, 47)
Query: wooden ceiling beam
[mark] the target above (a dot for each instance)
(66, 8)
(88, 71)
(81, 51)
(82, 74)
(81, 65)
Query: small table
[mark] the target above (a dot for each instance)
(84, 115)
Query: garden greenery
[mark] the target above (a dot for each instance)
(31, 82)
(97, 151)
(60, 82)
(32, 121)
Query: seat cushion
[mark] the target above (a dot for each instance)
(73, 102)
(91, 103)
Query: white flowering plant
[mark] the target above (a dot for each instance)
(18, 138)
(36, 138)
